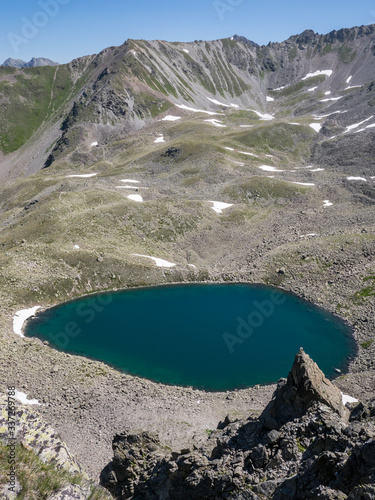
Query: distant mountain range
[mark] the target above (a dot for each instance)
(35, 61)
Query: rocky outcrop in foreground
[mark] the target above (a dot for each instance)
(305, 445)
(38, 448)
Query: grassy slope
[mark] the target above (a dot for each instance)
(37, 478)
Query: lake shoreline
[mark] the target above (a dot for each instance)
(88, 402)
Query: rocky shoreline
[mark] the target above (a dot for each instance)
(87, 402)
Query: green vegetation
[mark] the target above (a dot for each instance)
(327, 48)
(367, 344)
(292, 89)
(37, 478)
(292, 140)
(300, 446)
(262, 187)
(346, 54)
(30, 96)
(368, 291)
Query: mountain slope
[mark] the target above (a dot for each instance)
(127, 87)
(135, 150)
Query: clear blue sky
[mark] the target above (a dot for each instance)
(65, 29)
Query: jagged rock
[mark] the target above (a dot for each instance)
(35, 61)
(71, 492)
(313, 454)
(134, 455)
(172, 152)
(305, 385)
(37, 435)
(358, 469)
(11, 492)
(362, 412)
(363, 492)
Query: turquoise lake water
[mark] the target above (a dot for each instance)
(213, 337)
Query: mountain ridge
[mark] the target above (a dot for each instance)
(111, 164)
(34, 62)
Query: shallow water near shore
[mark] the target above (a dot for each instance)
(214, 337)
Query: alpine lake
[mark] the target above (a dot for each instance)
(216, 337)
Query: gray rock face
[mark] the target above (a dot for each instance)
(10, 492)
(306, 385)
(71, 492)
(35, 61)
(314, 453)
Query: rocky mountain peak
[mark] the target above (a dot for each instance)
(306, 385)
(35, 61)
(243, 39)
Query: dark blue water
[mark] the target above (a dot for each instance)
(214, 337)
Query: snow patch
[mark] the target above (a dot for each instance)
(356, 125)
(348, 399)
(303, 183)
(312, 89)
(21, 396)
(317, 170)
(357, 179)
(85, 176)
(94, 144)
(135, 197)
(77, 247)
(310, 235)
(362, 129)
(348, 79)
(222, 104)
(327, 93)
(215, 122)
(170, 118)
(248, 154)
(327, 203)
(130, 180)
(269, 99)
(268, 168)
(20, 317)
(220, 206)
(194, 110)
(315, 126)
(186, 50)
(229, 149)
(158, 262)
(317, 117)
(327, 72)
(159, 140)
(330, 99)
(262, 116)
